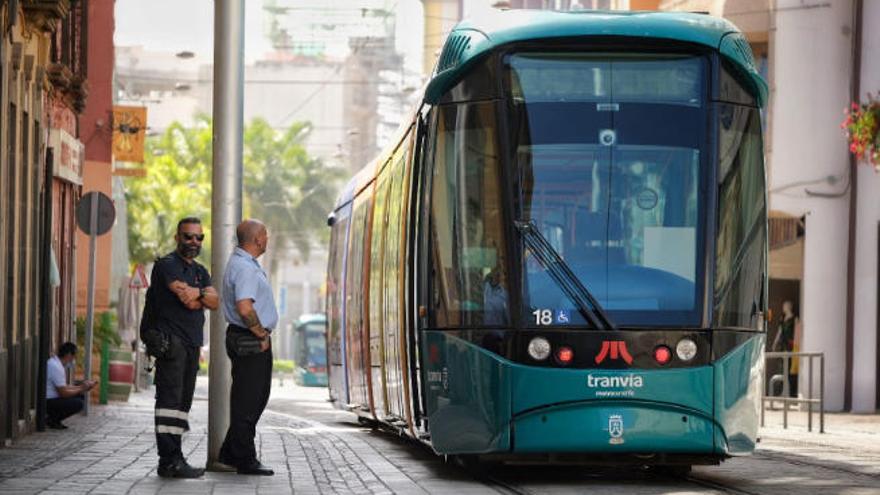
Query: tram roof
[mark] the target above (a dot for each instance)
(471, 39)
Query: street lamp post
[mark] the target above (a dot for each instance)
(225, 198)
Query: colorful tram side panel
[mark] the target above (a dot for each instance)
(563, 254)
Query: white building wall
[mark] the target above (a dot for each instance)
(868, 218)
(812, 56)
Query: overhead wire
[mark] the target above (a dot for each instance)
(361, 44)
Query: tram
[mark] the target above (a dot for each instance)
(310, 350)
(562, 257)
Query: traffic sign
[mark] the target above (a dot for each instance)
(138, 278)
(106, 213)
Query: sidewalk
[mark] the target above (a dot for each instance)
(850, 440)
(112, 451)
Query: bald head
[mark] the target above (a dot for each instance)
(252, 236)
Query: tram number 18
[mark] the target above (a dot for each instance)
(543, 316)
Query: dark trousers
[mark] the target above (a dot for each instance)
(175, 384)
(63, 407)
(251, 382)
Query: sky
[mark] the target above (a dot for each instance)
(178, 25)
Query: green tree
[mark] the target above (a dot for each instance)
(284, 187)
(177, 185)
(288, 190)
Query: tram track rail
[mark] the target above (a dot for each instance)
(801, 461)
(508, 487)
(504, 487)
(717, 486)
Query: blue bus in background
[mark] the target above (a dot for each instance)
(310, 350)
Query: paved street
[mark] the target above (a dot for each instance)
(315, 449)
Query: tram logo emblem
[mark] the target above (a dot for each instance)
(615, 349)
(615, 429)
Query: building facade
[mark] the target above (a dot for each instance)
(96, 132)
(41, 66)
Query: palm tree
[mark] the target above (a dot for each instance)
(287, 189)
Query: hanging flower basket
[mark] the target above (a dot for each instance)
(862, 126)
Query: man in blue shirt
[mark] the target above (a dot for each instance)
(249, 307)
(63, 400)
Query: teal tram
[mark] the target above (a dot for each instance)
(310, 350)
(562, 257)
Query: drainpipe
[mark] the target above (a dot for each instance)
(45, 331)
(855, 95)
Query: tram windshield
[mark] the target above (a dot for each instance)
(607, 151)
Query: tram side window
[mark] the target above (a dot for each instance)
(392, 245)
(354, 271)
(377, 247)
(334, 288)
(740, 247)
(468, 251)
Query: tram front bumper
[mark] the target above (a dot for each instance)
(611, 426)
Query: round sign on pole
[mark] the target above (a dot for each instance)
(106, 213)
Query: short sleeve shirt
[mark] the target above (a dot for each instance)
(245, 279)
(55, 377)
(170, 313)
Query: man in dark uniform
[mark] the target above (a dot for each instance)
(249, 307)
(178, 295)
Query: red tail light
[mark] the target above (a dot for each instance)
(662, 354)
(564, 355)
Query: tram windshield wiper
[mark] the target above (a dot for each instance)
(563, 276)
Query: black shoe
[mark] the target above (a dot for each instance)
(255, 467)
(56, 425)
(179, 469)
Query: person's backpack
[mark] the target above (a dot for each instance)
(158, 343)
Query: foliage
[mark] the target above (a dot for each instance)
(104, 331)
(284, 187)
(283, 366)
(177, 185)
(862, 126)
(290, 191)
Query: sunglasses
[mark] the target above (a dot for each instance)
(189, 237)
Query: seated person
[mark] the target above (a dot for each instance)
(63, 400)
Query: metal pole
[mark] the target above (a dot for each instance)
(226, 198)
(822, 393)
(137, 339)
(785, 392)
(810, 395)
(90, 314)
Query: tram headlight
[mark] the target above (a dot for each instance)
(539, 348)
(686, 349)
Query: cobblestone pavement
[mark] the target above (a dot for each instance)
(316, 449)
(112, 451)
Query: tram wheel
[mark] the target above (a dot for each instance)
(474, 465)
(368, 423)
